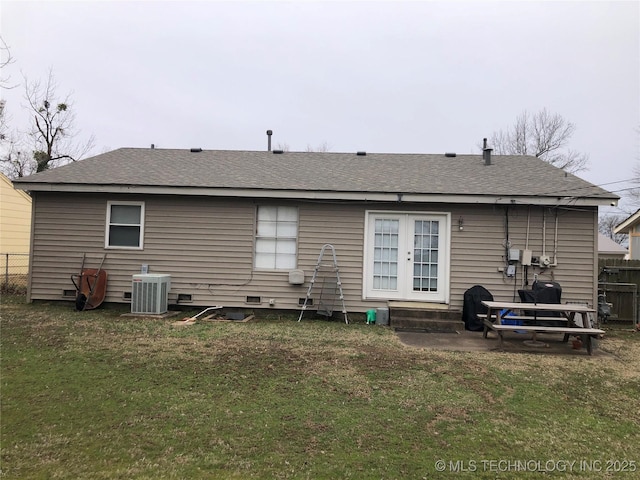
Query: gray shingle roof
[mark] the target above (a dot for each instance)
(310, 171)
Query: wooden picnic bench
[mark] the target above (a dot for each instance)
(568, 311)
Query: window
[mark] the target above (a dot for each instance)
(125, 225)
(276, 238)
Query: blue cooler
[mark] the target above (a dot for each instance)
(507, 321)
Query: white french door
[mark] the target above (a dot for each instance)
(407, 256)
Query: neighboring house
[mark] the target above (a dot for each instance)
(15, 234)
(15, 215)
(607, 248)
(230, 226)
(631, 226)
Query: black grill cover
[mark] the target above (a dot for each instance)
(542, 292)
(472, 306)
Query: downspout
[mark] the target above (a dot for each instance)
(31, 244)
(525, 280)
(544, 232)
(555, 244)
(526, 241)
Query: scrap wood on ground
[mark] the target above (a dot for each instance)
(214, 317)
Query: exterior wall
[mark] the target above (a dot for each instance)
(478, 251)
(15, 212)
(634, 242)
(206, 244)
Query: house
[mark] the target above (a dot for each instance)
(15, 234)
(607, 248)
(15, 214)
(231, 226)
(631, 226)
(15, 230)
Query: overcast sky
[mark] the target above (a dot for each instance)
(425, 77)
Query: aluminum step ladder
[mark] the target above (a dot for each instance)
(330, 286)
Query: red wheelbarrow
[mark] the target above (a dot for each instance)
(91, 286)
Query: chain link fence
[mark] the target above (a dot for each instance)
(14, 268)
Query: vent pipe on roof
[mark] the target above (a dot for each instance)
(196, 150)
(361, 153)
(486, 154)
(450, 154)
(269, 133)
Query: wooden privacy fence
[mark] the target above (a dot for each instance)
(619, 280)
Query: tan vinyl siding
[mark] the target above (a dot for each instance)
(478, 251)
(206, 245)
(343, 227)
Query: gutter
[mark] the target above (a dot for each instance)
(324, 195)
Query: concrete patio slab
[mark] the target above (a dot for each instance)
(466, 341)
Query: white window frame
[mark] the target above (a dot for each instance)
(108, 226)
(275, 238)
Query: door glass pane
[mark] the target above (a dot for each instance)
(425, 256)
(385, 254)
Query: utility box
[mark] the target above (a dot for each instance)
(382, 316)
(296, 277)
(544, 261)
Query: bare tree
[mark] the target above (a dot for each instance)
(607, 224)
(3, 122)
(5, 60)
(53, 129)
(284, 146)
(633, 195)
(543, 135)
(323, 147)
(17, 162)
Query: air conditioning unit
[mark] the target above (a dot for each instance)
(150, 293)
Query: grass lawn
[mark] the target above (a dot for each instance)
(99, 396)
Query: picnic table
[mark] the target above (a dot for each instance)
(497, 311)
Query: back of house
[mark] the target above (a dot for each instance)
(244, 228)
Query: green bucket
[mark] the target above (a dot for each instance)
(371, 317)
